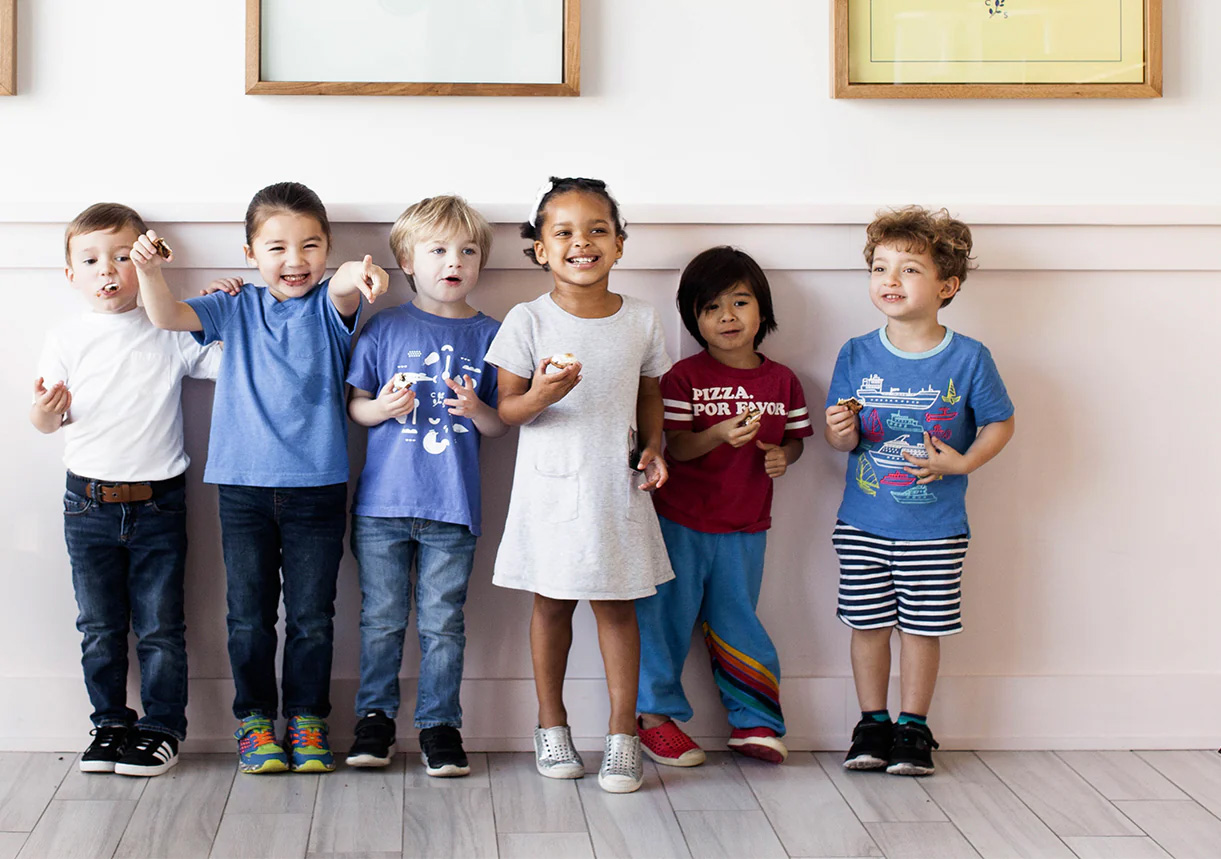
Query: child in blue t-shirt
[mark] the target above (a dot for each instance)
(918, 408)
(421, 384)
(278, 452)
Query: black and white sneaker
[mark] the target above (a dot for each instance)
(374, 744)
(105, 750)
(912, 753)
(148, 753)
(871, 744)
(442, 753)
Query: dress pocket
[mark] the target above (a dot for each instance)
(558, 495)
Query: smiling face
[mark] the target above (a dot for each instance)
(100, 266)
(444, 270)
(729, 324)
(290, 251)
(906, 286)
(578, 239)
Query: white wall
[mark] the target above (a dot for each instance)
(1092, 588)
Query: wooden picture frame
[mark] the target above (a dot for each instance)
(8, 47)
(568, 85)
(1130, 67)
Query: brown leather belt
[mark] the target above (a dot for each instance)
(111, 492)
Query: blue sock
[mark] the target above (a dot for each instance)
(905, 718)
(876, 715)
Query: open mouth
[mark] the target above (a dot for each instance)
(294, 279)
(452, 280)
(891, 297)
(107, 290)
(582, 261)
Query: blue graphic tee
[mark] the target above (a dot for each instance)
(278, 416)
(949, 392)
(425, 464)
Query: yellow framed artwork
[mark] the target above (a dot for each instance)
(8, 47)
(413, 47)
(996, 48)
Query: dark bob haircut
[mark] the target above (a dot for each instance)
(710, 274)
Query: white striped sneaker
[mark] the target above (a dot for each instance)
(622, 768)
(148, 753)
(554, 754)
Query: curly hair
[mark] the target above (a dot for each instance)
(532, 229)
(916, 229)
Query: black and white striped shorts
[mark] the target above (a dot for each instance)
(914, 584)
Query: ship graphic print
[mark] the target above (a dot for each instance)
(871, 395)
(890, 455)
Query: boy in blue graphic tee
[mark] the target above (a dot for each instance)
(918, 407)
(420, 383)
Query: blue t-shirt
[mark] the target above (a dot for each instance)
(278, 416)
(425, 464)
(949, 391)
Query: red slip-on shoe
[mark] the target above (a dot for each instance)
(761, 743)
(668, 744)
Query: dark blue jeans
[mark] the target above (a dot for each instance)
(296, 532)
(128, 562)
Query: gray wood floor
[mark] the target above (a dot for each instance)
(986, 804)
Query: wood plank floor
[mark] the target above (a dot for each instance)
(986, 804)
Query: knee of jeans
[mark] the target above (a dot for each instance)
(447, 622)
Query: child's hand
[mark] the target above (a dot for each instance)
(371, 280)
(733, 433)
(229, 285)
(465, 401)
(775, 459)
(394, 404)
(144, 252)
(942, 459)
(55, 401)
(841, 422)
(550, 388)
(655, 471)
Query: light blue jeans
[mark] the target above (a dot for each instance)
(443, 553)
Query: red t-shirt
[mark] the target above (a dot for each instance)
(727, 489)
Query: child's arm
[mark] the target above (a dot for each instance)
(162, 308)
(685, 445)
(354, 279)
(50, 406)
(649, 418)
(943, 459)
(368, 411)
(522, 400)
(778, 457)
(842, 431)
(466, 404)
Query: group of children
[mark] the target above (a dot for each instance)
(659, 536)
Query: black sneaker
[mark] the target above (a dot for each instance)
(374, 744)
(442, 753)
(105, 750)
(148, 753)
(912, 753)
(871, 743)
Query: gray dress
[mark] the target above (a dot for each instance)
(578, 526)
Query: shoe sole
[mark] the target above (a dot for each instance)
(312, 767)
(371, 760)
(866, 762)
(265, 768)
(618, 784)
(767, 749)
(566, 771)
(97, 766)
(905, 768)
(446, 771)
(689, 758)
(138, 770)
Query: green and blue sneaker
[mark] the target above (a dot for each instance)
(308, 746)
(257, 749)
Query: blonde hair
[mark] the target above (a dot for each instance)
(916, 229)
(435, 217)
(106, 217)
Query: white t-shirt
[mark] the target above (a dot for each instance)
(125, 377)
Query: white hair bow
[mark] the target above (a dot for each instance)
(543, 191)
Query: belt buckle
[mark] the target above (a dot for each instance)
(125, 493)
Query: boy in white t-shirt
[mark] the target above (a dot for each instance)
(113, 382)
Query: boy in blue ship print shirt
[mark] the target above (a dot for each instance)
(932, 409)
(421, 385)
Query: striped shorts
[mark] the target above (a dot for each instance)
(913, 584)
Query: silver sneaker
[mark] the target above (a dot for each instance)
(622, 765)
(554, 754)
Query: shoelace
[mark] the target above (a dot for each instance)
(306, 736)
(257, 737)
(107, 737)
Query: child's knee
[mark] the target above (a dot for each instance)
(551, 610)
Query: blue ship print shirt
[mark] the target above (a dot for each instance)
(949, 392)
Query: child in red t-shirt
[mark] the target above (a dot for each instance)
(734, 421)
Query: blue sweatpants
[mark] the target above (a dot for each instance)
(717, 580)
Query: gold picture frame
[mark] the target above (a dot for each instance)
(996, 49)
(8, 47)
(569, 85)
